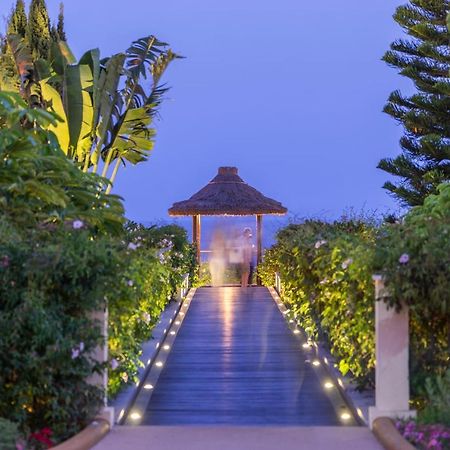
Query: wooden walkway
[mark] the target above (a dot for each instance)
(236, 362)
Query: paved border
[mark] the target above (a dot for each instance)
(387, 434)
(88, 437)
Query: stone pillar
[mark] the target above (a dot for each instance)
(100, 354)
(392, 357)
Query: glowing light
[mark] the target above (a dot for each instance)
(170, 320)
(177, 322)
(172, 333)
(148, 386)
(166, 347)
(346, 416)
(360, 413)
(341, 384)
(181, 313)
(316, 362)
(306, 345)
(328, 385)
(325, 360)
(165, 330)
(135, 416)
(157, 344)
(159, 364)
(296, 331)
(122, 412)
(149, 361)
(291, 321)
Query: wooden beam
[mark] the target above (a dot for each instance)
(259, 243)
(196, 235)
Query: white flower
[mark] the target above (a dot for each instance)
(75, 353)
(324, 281)
(146, 318)
(346, 263)
(77, 224)
(114, 364)
(130, 283)
(132, 246)
(319, 244)
(404, 259)
(81, 346)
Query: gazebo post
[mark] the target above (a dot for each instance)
(258, 244)
(196, 234)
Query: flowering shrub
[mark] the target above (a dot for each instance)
(424, 436)
(50, 282)
(414, 258)
(326, 272)
(152, 264)
(64, 254)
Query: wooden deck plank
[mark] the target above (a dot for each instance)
(236, 362)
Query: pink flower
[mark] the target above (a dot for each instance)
(75, 353)
(130, 283)
(114, 364)
(4, 262)
(404, 259)
(132, 246)
(77, 224)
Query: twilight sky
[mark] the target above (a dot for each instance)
(290, 92)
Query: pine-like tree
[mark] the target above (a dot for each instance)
(60, 27)
(425, 115)
(17, 23)
(39, 29)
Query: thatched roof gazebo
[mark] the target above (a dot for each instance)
(227, 195)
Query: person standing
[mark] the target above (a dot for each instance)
(247, 256)
(217, 260)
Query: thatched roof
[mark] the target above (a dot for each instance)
(227, 194)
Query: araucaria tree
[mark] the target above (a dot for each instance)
(424, 58)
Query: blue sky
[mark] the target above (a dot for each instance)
(290, 92)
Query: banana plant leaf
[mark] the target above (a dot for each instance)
(108, 96)
(54, 103)
(78, 82)
(61, 56)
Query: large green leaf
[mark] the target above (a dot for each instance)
(78, 82)
(61, 56)
(108, 94)
(54, 103)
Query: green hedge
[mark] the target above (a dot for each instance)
(326, 283)
(326, 271)
(152, 266)
(65, 253)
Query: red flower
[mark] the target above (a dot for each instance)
(43, 436)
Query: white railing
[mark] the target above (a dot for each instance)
(278, 283)
(185, 285)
